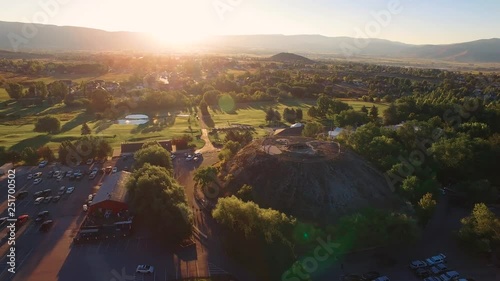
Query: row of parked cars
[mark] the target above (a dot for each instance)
(435, 269)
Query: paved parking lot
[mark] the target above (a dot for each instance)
(52, 256)
(35, 249)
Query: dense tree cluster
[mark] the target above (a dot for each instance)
(48, 124)
(157, 196)
(87, 147)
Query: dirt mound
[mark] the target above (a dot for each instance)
(307, 178)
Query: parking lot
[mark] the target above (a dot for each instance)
(39, 252)
(53, 256)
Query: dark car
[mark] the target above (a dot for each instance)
(21, 195)
(439, 268)
(50, 174)
(42, 216)
(37, 194)
(56, 198)
(46, 225)
(369, 276)
(46, 192)
(423, 272)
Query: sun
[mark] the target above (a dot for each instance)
(178, 36)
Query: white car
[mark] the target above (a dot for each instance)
(143, 268)
(30, 176)
(90, 161)
(43, 164)
(37, 175)
(85, 207)
(39, 200)
(450, 275)
(441, 258)
(115, 169)
(70, 189)
(37, 181)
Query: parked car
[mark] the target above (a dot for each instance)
(46, 192)
(21, 195)
(50, 174)
(22, 219)
(450, 275)
(85, 207)
(39, 200)
(115, 169)
(439, 268)
(42, 164)
(92, 176)
(60, 177)
(432, 278)
(37, 175)
(37, 194)
(46, 225)
(441, 258)
(417, 264)
(47, 199)
(62, 190)
(90, 161)
(56, 198)
(423, 272)
(172, 156)
(37, 181)
(30, 176)
(143, 268)
(41, 216)
(70, 189)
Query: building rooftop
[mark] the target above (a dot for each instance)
(113, 188)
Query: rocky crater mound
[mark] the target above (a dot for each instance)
(309, 179)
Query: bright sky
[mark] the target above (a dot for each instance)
(418, 21)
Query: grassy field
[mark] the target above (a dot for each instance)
(110, 76)
(255, 113)
(18, 133)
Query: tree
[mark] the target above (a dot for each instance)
(161, 202)
(391, 116)
(48, 124)
(312, 129)
(350, 118)
(46, 153)
(426, 207)
(480, 229)
(153, 155)
(58, 90)
(86, 129)
(245, 193)
(15, 91)
(29, 155)
(100, 100)
(364, 109)
(205, 176)
(374, 112)
(299, 114)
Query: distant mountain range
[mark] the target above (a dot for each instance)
(39, 38)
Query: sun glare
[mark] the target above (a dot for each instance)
(178, 36)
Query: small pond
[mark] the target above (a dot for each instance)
(134, 119)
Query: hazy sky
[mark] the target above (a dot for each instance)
(416, 21)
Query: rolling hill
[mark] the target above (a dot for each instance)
(67, 38)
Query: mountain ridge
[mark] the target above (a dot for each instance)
(71, 38)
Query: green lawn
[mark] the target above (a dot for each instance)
(19, 133)
(254, 113)
(357, 105)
